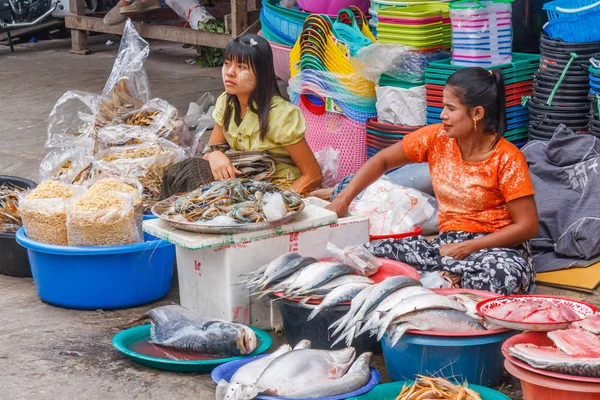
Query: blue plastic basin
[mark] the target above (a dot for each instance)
(476, 359)
(104, 277)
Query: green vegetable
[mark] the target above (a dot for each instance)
(210, 56)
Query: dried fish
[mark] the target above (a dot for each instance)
(436, 388)
(10, 218)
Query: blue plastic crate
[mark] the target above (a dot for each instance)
(559, 9)
(575, 30)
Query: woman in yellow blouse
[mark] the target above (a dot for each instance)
(257, 133)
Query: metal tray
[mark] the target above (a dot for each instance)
(200, 227)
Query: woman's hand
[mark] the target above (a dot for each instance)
(221, 166)
(339, 206)
(458, 251)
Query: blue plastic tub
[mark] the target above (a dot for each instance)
(107, 277)
(475, 359)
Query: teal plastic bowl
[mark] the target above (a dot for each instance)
(123, 340)
(389, 391)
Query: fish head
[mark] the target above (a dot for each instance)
(362, 363)
(303, 344)
(344, 356)
(247, 341)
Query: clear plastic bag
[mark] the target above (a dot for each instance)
(72, 120)
(103, 219)
(357, 256)
(111, 183)
(328, 161)
(396, 60)
(190, 10)
(401, 106)
(146, 162)
(68, 165)
(392, 208)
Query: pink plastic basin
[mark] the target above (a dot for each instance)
(540, 387)
(332, 6)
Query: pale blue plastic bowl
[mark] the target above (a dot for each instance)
(105, 277)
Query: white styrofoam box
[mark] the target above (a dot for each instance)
(209, 266)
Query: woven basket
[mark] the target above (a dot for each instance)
(281, 60)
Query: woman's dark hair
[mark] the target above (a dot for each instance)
(475, 87)
(256, 52)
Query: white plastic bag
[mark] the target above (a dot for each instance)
(68, 165)
(328, 161)
(190, 10)
(401, 106)
(358, 257)
(392, 208)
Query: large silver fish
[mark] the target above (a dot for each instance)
(266, 271)
(552, 359)
(338, 295)
(417, 303)
(297, 370)
(355, 305)
(286, 270)
(326, 288)
(317, 274)
(177, 327)
(434, 320)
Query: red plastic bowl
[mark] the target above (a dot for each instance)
(539, 339)
(388, 269)
(541, 387)
(416, 232)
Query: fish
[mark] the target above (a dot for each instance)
(286, 270)
(355, 305)
(338, 295)
(303, 344)
(591, 323)
(177, 327)
(576, 342)
(380, 292)
(388, 303)
(273, 267)
(299, 369)
(247, 374)
(326, 288)
(317, 274)
(440, 320)
(417, 303)
(552, 359)
(357, 377)
(539, 311)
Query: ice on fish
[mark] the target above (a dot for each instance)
(177, 327)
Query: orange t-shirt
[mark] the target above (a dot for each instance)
(472, 196)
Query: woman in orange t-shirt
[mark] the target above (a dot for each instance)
(487, 212)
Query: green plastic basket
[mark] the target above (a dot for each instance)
(379, 4)
(417, 11)
(390, 391)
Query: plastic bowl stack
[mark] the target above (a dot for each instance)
(381, 135)
(573, 21)
(561, 88)
(423, 26)
(518, 77)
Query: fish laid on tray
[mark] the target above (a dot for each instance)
(590, 324)
(577, 352)
(306, 278)
(539, 312)
(177, 327)
(233, 201)
(299, 373)
(399, 304)
(437, 389)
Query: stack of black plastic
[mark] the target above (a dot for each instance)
(561, 88)
(594, 69)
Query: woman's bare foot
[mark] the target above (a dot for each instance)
(323, 194)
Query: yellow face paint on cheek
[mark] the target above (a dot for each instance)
(247, 80)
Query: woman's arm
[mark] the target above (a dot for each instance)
(389, 158)
(307, 164)
(220, 165)
(523, 228)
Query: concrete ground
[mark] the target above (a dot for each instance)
(48, 352)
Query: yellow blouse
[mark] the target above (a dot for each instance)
(286, 127)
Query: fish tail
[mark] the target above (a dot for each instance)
(314, 313)
(382, 328)
(221, 389)
(399, 331)
(341, 324)
(350, 336)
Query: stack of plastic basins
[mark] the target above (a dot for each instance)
(481, 33)
(423, 26)
(381, 135)
(518, 78)
(279, 24)
(561, 88)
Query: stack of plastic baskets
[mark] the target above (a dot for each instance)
(281, 25)
(481, 32)
(573, 21)
(381, 135)
(561, 88)
(518, 77)
(423, 26)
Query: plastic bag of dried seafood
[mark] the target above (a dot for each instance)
(103, 218)
(72, 120)
(44, 211)
(146, 162)
(69, 165)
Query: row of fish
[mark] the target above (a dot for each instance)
(577, 350)
(399, 304)
(300, 372)
(306, 278)
(176, 327)
(538, 311)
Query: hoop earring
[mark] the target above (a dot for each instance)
(474, 124)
